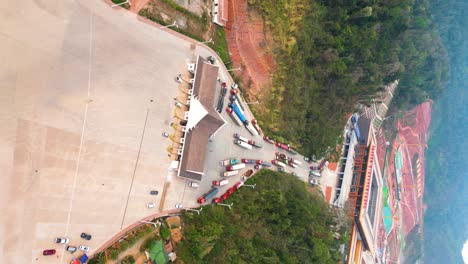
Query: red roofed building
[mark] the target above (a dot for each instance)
(220, 12)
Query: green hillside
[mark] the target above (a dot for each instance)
(280, 221)
(331, 54)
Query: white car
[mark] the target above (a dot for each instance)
(61, 240)
(178, 206)
(150, 205)
(193, 184)
(84, 248)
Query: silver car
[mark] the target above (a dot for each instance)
(61, 240)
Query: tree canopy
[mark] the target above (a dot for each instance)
(279, 221)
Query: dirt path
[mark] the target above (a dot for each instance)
(134, 251)
(137, 5)
(248, 45)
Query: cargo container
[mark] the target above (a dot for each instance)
(230, 173)
(235, 167)
(242, 144)
(207, 196)
(250, 128)
(238, 112)
(296, 161)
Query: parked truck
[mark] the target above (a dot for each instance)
(229, 162)
(233, 116)
(250, 128)
(235, 167)
(278, 163)
(207, 196)
(255, 144)
(238, 112)
(228, 193)
(238, 136)
(230, 173)
(220, 182)
(256, 126)
(296, 161)
(236, 93)
(242, 144)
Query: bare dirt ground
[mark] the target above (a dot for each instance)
(248, 44)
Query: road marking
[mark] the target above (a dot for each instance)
(134, 169)
(83, 128)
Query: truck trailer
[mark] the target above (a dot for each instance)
(207, 196)
(233, 116)
(235, 167)
(230, 173)
(242, 144)
(238, 136)
(238, 112)
(250, 128)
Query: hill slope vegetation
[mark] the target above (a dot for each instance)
(333, 53)
(279, 221)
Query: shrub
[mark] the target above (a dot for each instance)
(165, 233)
(128, 260)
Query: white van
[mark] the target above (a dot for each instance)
(315, 173)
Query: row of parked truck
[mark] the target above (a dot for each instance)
(245, 142)
(236, 111)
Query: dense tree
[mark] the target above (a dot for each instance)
(279, 221)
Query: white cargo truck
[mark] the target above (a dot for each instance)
(230, 173)
(242, 144)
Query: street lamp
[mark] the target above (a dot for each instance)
(156, 225)
(227, 205)
(252, 186)
(194, 210)
(208, 41)
(237, 69)
(123, 3)
(171, 25)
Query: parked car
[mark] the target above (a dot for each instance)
(86, 236)
(150, 205)
(165, 134)
(258, 167)
(154, 192)
(281, 169)
(193, 184)
(61, 240)
(71, 249)
(84, 248)
(178, 206)
(48, 252)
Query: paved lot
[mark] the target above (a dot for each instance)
(85, 93)
(222, 147)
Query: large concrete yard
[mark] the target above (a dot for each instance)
(86, 92)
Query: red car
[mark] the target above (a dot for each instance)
(259, 162)
(48, 252)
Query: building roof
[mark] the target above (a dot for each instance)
(196, 139)
(364, 124)
(220, 11)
